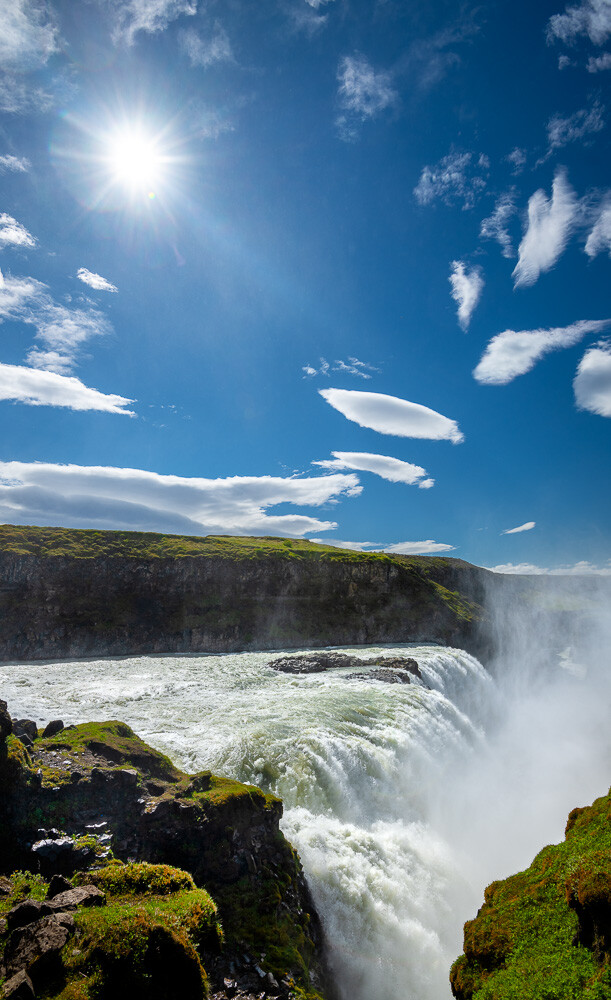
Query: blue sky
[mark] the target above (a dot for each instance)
(318, 268)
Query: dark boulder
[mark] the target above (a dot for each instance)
(83, 895)
(19, 987)
(36, 948)
(25, 727)
(6, 723)
(27, 912)
(53, 728)
(59, 883)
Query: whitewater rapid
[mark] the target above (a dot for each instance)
(388, 789)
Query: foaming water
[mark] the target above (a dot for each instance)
(377, 782)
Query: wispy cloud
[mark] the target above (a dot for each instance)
(392, 469)
(28, 34)
(598, 64)
(561, 131)
(103, 497)
(392, 415)
(518, 159)
(150, 16)
(591, 19)
(12, 233)
(514, 353)
(18, 96)
(16, 164)
(467, 288)
(363, 93)
(95, 280)
(583, 568)
(527, 526)
(424, 548)
(60, 331)
(496, 226)
(206, 52)
(549, 226)
(352, 366)
(457, 177)
(592, 383)
(46, 388)
(599, 238)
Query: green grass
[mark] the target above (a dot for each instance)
(117, 743)
(521, 944)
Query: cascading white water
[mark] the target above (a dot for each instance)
(374, 779)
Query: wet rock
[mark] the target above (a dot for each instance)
(382, 668)
(53, 728)
(6, 723)
(25, 727)
(381, 674)
(36, 948)
(19, 987)
(61, 855)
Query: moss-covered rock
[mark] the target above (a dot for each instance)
(545, 933)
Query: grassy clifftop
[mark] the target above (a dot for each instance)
(545, 933)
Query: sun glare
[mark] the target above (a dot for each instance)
(136, 160)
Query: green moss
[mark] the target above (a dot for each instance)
(117, 743)
(137, 878)
(521, 945)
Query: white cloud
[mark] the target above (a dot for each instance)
(389, 468)
(150, 16)
(363, 93)
(207, 51)
(467, 287)
(60, 330)
(550, 224)
(102, 497)
(592, 383)
(391, 415)
(495, 227)
(45, 388)
(582, 568)
(352, 366)
(514, 353)
(527, 526)
(456, 177)
(16, 164)
(18, 97)
(28, 35)
(517, 158)
(592, 19)
(426, 548)
(597, 64)
(561, 131)
(600, 236)
(95, 280)
(13, 234)
(316, 4)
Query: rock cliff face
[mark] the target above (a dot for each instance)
(121, 593)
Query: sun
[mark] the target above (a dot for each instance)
(135, 159)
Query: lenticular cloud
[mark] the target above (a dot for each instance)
(515, 352)
(391, 415)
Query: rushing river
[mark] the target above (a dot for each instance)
(402, 800)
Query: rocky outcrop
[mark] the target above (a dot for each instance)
(390, 669)
(548, 927)
(105, 798)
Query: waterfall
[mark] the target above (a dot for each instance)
(402, 800)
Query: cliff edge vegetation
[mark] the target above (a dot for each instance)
(545, 933)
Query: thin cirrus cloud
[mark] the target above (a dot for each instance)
(550, 224)
(467, 288)
(45, 388)
(599, 238)
(392, 469)
(28, 35)
(587, 121)
(205, 52)
(352, 366)
(363, 93)
(496, 226)
(527, 526)
(149, 16)
(392, 415)
(60, 331)
(15, 164)
(95, 280)
(457, 177)
(515, 352)
(103, 497)
(592, 383)
(590, 19)
(14, 234)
